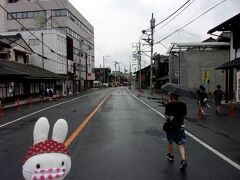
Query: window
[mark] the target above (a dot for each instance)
(14, 15)
(32, 88)
(30, 14)
(24, 15)
(33, 42)
(37, 88)
(53, 13)
(19, 15)
(9, 16)
(58, 13)
(63, 12)
(12, 1)
(3, 90)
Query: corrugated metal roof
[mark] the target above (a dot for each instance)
(185, 45)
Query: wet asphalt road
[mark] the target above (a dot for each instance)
(124, 140)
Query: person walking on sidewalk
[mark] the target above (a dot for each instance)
(202, 100)
(218, 94)
(175, 112)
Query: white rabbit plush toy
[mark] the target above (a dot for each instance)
(47, 159)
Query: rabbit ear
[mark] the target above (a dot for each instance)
(41, 130)
(60, 130)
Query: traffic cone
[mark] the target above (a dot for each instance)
(1, 110)
(30, 102)
(231, 112)
(18, 104)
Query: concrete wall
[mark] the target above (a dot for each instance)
(194, 63)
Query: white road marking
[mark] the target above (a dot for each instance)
(16, 120)
(234, 164)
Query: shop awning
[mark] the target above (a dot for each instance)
(230, 65)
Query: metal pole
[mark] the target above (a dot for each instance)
(100, 75)
(79, 53)
(140, 65)
(152, 25)
(42, 52)
(103, 71)
(130, 73)
(115, 71)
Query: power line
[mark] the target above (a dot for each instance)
(175, 16)
(31, 33)
(171, 14)
(191, 21)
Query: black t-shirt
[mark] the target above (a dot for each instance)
(218, 95)
(177, 110)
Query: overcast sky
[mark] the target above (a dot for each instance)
(119, 23)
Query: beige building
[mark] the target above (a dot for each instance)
(193, 64)
(65, 18)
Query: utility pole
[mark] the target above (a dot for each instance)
(100, 74)
(115, 64)
(152, 26)
(42, 52)
(130, 73)
(103, 71)
(140, 64)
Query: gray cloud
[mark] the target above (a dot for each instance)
(118, 23)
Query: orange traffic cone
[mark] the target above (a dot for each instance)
(231, 112)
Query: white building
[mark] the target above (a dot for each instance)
(62, 16)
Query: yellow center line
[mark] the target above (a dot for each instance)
(78, 130)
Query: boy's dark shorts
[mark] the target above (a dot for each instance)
(177, 137)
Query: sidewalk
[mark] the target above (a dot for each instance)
(191, 104)
(222, 124)
(28, 101)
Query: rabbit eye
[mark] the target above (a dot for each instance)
(62, 163)
(38, 166)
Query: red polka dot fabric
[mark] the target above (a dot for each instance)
(48, 146)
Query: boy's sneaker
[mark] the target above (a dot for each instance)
(170, 157)
(183, 165)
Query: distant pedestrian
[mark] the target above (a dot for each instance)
(46, 91)
(202, 100)
(175, 112)
(218, 94)
(51, 93)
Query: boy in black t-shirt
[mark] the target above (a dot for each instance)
(218, 93)
(175, 112)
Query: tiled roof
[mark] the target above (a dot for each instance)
(9, 68)
(227, 25)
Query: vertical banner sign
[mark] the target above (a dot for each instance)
(40, 20)
(238, 87)
(37, 24)
(205, 78)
